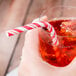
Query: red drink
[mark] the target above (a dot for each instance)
(65, 52)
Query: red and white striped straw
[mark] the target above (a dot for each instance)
(41, 24)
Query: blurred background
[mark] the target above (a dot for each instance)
(14, 13)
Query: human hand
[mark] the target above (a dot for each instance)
(32, 63)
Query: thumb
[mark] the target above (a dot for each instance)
(29, 53)
(31, 46)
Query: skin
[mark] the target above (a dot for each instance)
(32, 63)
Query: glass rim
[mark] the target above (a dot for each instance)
(58, 6)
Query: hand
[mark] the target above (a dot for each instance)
(33, 65)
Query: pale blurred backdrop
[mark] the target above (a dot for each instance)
(15, 13)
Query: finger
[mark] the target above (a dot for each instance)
(29, 52)
(31, 46)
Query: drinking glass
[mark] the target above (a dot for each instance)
(63, 19)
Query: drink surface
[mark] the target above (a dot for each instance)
(65, 52)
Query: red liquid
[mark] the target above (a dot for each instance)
(62, 54)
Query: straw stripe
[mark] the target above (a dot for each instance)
(27, 27)
(35, 25)
(18, 30)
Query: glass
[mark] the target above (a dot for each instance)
(63, 19)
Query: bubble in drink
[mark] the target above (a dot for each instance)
(65, 52)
